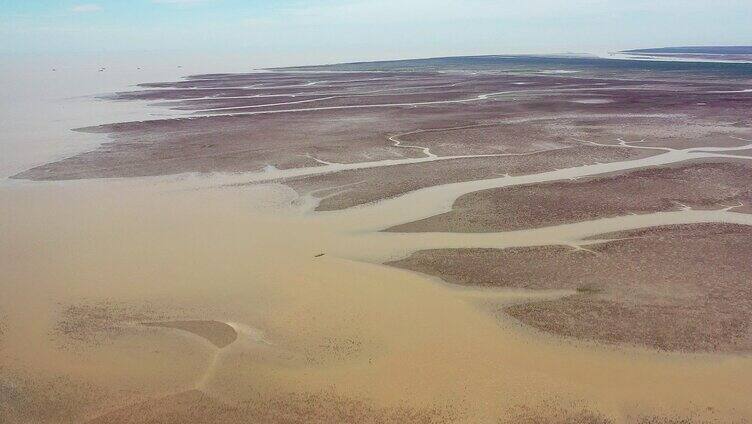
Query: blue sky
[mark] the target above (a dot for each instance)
(333, 30)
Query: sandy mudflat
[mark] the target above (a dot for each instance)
(197, 407)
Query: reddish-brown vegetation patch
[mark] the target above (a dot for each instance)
(701, 185)
(674, 288)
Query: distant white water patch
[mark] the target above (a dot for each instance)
(746, 90)
(592, 101)
(558, 71)
(666, 58)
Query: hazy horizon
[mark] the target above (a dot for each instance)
(294, 32)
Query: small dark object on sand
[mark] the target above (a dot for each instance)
(319, 255)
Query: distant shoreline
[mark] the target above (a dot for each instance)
(723, 54)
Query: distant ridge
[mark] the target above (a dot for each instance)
(696, 50)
